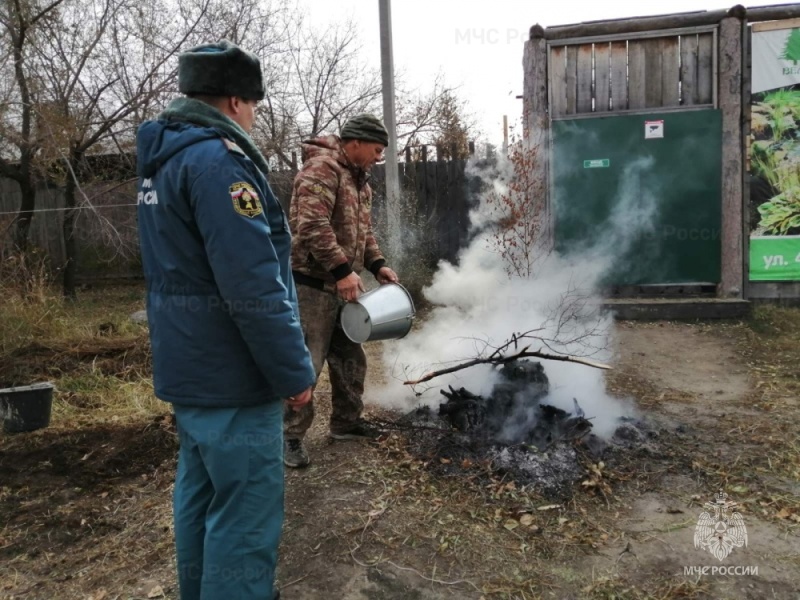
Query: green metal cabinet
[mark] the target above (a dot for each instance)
(644, 190)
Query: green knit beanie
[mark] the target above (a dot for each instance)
(221, 69)
(367, 128)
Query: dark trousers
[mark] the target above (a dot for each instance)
(228, 501)
(347, 363)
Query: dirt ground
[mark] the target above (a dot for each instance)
(85, 512)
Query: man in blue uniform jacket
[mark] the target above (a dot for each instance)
(227, 344)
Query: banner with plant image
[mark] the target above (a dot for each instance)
(775, 156)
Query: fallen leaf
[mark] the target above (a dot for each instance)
(156, 592)
(99, 595)
(445, 461)
(526, 520)
(549, 507)
(511, 524)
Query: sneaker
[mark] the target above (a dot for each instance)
(360, 430)
(294, 453)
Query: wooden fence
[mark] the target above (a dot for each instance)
(631, 74)
(435, 195)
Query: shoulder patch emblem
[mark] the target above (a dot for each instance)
(233, 146)
(245, 199)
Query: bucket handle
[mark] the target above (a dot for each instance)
(411, 317)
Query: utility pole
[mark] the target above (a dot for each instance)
(389, 119)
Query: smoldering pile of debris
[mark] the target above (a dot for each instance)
(516, 433)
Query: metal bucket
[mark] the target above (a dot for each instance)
(385, 313)
(26, 408)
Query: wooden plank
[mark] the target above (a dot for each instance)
(421, 171)
(401, 178)
(453, 212)
(664, 309)
(769, 13)
(409, 180)
(730, 103)
(705, 68)
(572, 80)
(619, 75)
(558, 81)
(747, 124)
(670, 72)
(776, 25)
(535, 72)
(430, 187)
(602, 77)
(636, 74)
(624, 27)
(689, 92)
(652, 73)
(443, 218)
(459, 203)
(378, 184)
(584, 79)
(789, 291)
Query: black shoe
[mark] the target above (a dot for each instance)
(294, 453)
(360, 430)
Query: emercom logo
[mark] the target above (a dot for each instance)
(720, 527)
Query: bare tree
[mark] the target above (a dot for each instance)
(19, 20)
(436, 116)
(81, 75)
(102, 61)
(325, 82)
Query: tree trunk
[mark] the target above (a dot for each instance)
(22, 223)
(70, 247)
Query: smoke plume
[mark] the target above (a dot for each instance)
(477, 307)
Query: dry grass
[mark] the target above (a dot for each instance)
(93, 511)
(511, 541)
(98, 359)
(85, 501)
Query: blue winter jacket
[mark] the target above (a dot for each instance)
(215, 246)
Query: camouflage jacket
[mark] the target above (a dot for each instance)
(331, 216)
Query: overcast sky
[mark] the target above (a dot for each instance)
(478, 45)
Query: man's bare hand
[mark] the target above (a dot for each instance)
(350, 287)
(298, 401)
(386, 275)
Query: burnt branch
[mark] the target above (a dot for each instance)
(500, 359)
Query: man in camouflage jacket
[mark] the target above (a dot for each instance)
(331, 225)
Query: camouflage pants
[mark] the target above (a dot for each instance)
(347, 363)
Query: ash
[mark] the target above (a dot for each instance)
(514, 432)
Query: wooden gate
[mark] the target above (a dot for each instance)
(618, 75)
(682, 62)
